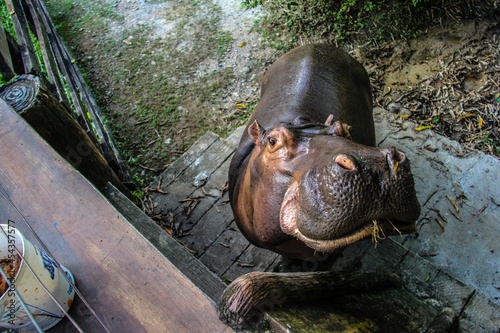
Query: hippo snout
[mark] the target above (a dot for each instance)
(344, 198)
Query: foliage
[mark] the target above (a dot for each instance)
(7, 26)
(368, 20)
(6, 19)
(251, 3)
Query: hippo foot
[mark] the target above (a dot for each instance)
(248, 298)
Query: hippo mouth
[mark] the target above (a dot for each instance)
(335, 234)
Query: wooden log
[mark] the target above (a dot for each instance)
(29, 96)
(249, 297)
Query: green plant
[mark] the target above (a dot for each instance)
(223, 40)
(251, 3)
(7, 20)
(360, 20)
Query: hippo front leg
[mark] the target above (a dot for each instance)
(244, 302)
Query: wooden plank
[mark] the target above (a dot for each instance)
(192, 268)
(209, 227)
(6, 66)
(48, 56)
(212, 191)
(131, 286)
(212, 213)
(212, 200)
(189, 157)
(251, 260)
(225, 251)
(188, 188)
(23, 38)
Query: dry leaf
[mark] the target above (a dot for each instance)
(424, 127)
(480, 122)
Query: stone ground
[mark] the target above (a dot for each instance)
(458, 228)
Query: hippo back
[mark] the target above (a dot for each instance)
(311, 82)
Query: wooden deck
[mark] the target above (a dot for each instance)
(130, 285)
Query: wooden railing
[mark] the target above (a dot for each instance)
(53, 64)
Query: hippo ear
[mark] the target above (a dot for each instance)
(340, 129)
(256, 132)
(329, 120)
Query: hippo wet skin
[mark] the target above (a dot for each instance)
(306, 176)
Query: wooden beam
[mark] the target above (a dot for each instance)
(6, 66)
(177, 254)
(23, 38)
(47, 53)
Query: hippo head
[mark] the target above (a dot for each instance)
(336, 191)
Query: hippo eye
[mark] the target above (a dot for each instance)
(272, 141)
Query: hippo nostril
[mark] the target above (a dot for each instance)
(399, 156)
(394, 158)
(345, 162)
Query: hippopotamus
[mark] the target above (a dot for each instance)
(307, 175)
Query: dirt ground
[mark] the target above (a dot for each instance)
(165, 72)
